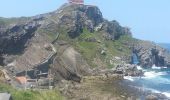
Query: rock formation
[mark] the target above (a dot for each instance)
(150, 54)
(57, 41)
(74, 43)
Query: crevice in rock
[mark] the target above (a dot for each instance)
(157, 59)
(1, 60)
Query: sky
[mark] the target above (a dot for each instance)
(148, 19)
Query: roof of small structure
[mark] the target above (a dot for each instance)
(76, 1)
(21, 79)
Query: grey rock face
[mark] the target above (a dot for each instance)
(114, 30)
(14, 38)
(150, 54)
(70, 65)
(76, 17)
(94, 14)
(128, 70)
(29, 38)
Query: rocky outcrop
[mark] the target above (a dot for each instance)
(70, 65)
(14, 38)
(29, 39)
(24, 42)
(150, 54)
(77, 17)
(33, 43)
(128, 70)
(47, 44)
(114, 30)
(156, 96)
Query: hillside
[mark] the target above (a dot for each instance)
(93, 41)
(70, 43)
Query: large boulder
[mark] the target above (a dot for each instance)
(70, 65)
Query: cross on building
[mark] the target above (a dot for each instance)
(76, 1)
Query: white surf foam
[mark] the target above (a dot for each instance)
(155, 67)
(139, 68)
(167, 94)
(153, 90)
(165, 67)
(153, 74)
(130, 78)
(150, 74)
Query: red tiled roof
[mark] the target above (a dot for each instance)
(76, 1)
(21, 79)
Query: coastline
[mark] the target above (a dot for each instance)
(106, 88)
(155, 81)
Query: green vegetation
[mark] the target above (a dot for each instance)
(51, 35)
(31, 94)
(7, 21)
(94, 46)
(86, 35)
(89, 51)
(94, 49)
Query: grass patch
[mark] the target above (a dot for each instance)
(7, 21)
(92, 49)
(89, 50)
(31, 94)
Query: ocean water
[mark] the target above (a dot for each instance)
(156, 79)
(165, 45)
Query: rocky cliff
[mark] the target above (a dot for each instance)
(150, 54)
(70, 42)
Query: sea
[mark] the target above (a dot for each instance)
(155, 79)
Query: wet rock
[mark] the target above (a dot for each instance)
(128, 70)
(151, 97)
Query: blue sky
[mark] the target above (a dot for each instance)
(148, 19)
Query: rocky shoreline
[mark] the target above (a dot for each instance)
(108, 84)
(105, 88)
